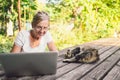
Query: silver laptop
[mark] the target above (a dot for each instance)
(25, 64)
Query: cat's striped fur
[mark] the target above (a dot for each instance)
(84, 55)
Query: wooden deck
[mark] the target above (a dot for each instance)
(108, 68)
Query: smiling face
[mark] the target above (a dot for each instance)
(40, 25)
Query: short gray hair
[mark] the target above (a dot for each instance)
(40, 16)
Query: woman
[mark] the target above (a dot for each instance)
(36, 39)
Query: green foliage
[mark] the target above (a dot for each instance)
(6, 43)
(9, 11)
(27, 8)
(93, 19)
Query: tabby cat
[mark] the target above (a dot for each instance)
(72, 53)
(84, 55)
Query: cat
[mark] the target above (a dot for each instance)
(72, 53)
(84, 55)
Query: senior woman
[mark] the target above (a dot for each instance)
(36, 39)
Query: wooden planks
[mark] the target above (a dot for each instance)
(108, 68)
(118, 63)
(70, 71)
(100, 71)
(84, 69)
(114, 74)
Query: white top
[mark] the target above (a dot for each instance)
(23, 41)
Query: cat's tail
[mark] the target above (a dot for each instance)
(69, 60)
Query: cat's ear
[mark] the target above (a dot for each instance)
(95, 51)
(68, 51)
(83, 49)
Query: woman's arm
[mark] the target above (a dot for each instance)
(16, 49)
(51, 46)
(19, 41)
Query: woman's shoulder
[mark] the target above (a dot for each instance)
(48, 36)
(24, 32)
(48, 32)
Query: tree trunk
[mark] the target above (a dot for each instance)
(19, 16)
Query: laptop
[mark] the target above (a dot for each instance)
(29, 64)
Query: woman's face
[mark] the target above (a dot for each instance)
(41, 28)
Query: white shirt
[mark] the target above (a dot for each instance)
(23, 41)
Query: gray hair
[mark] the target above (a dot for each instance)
(40, 16)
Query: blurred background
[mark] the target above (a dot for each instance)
(72, 22)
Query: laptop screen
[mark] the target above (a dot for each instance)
(29, 64)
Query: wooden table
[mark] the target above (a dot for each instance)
(107, 68)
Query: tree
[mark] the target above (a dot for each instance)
(19, 15)
(9, 12)
(90, 15)
(6, 9)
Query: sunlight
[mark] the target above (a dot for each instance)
(42, 1)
